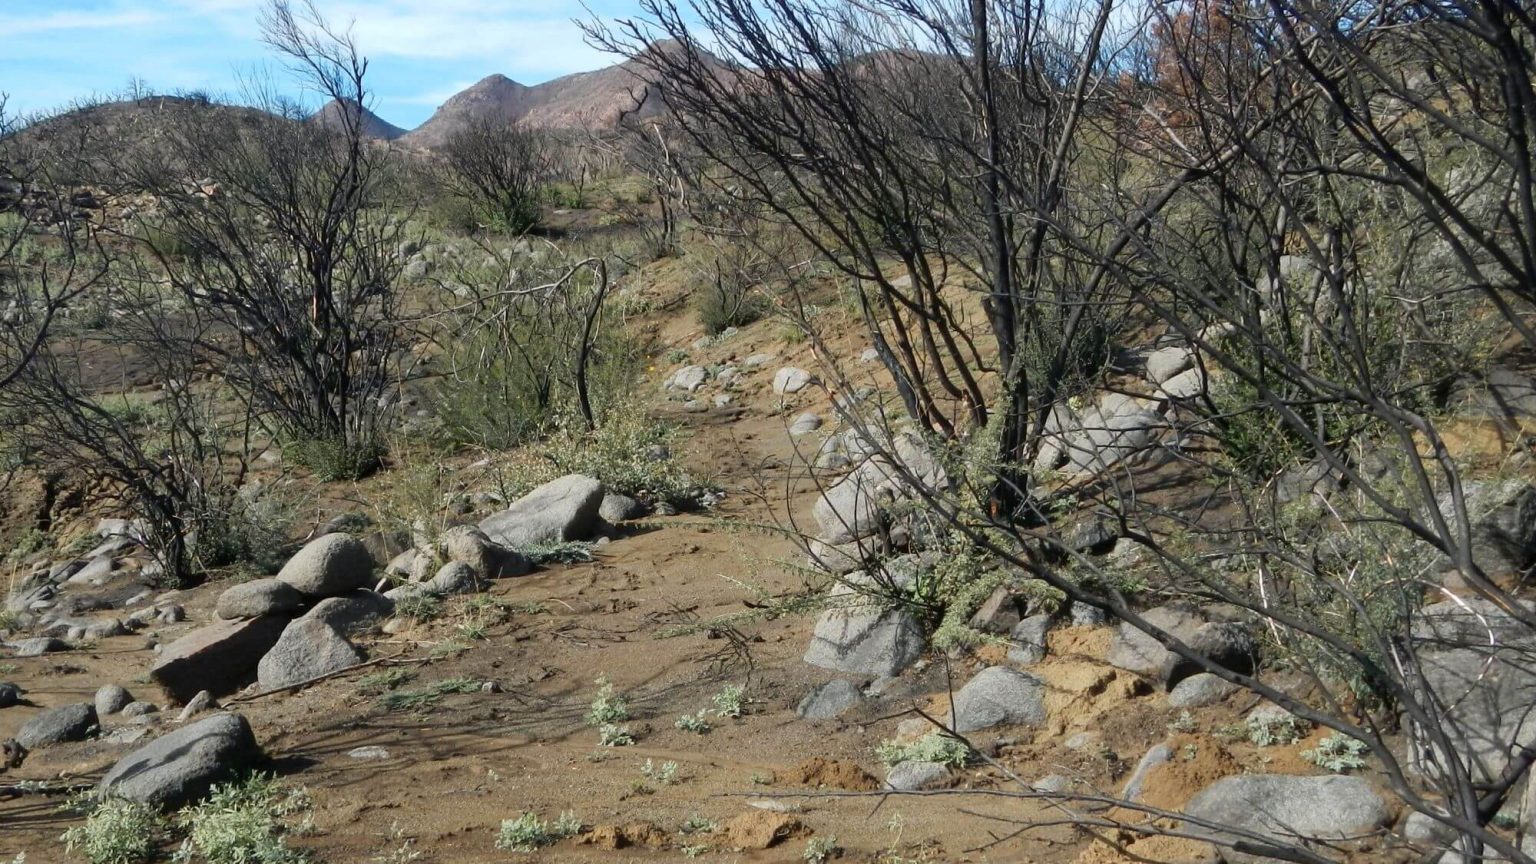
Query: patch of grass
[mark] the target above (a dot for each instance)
(419, 607)
(424, 697)
(933, 747)
(529, 833)
(116, 831)
(375, 683)
(338, 460)
(246, 822)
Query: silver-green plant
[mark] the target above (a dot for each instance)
(1338, 753)
(116, 831)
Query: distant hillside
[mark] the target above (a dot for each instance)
(585, 100)
(374, 126)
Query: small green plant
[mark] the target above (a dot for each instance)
(1269, 728)
(529, 833)
(663, 775)
(245, 822)
(694, 850)
(614, 735)
(820, 849)
(1338, 753)
(933, 747)
(1185, 723)
(375, 683)
(696, 824)
(607, 707)
(116, 831)
(424, 697)
(695, 723)
(560, 552)
(758, 778)
(419, 607)
(337, 459)
(731, 701)
(677, 357)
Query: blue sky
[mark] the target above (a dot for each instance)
(420, 51)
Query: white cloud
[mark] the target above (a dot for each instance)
(55, 22)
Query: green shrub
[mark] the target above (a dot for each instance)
(607, 706)
(933, 747)
(628, 452)
(116, 831)
(244, 822)
(336, 459)
(1338, 753)
(529, 833)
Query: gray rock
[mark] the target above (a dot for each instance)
(58, 725)
(999, 613)
(1083, 615)
(37, 646)
(96, 572)
(195, 706)
(1107, 440)
(455, 577)
(10, 694)
(370, 752)
(869, 355)
(110, 699)
(329, 565)
(139, 709)
(999, 695)
(308, 648)
(912, 775)
(219, 657)
(489, 559)
(618, 508)
(1198, 691)
(687, 379)
(1151, 759)
(1051, 784)
(851, 507)
(857, 635)
(1475, 659)
(1287, 810)
(1028, 640)
(1185, 385)
(1426, 829)
(830, 700)
(840, 559)
(179, 768)
(1227, 644)
(756, 361)
(259, 597)
(563, 509)
(805, 424)
(358, 612)
(1164, 363)
(791, 380)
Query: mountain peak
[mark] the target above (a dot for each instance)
(373, 125)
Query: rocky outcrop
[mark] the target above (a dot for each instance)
(180, 767)
(562, 509)
(328, 566)
(219, 657)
